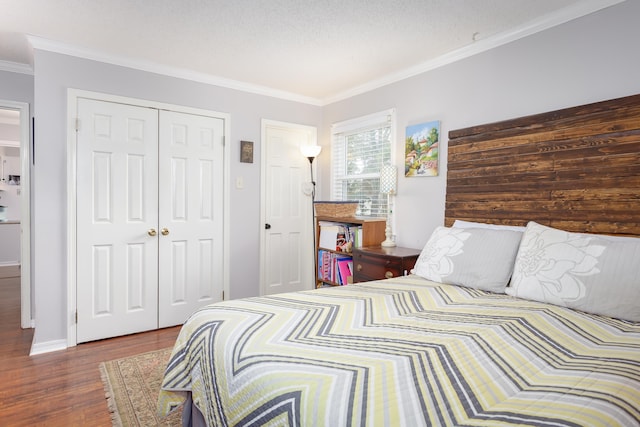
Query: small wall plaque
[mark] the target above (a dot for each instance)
(246, 151)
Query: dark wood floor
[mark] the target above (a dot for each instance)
(61, 388)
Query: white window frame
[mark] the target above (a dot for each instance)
(338, 132)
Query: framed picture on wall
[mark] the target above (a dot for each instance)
(421, 149)
(246, 151)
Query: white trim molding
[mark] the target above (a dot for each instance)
(16, 67)
(569, 13)
(180, 73)
(575, 11)
(47, 347)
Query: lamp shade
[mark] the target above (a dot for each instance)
(310, 150)
(388, 179)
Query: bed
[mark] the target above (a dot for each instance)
(523, 308)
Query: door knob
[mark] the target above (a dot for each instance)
(164, 231)
(152, 232)
(267, 226)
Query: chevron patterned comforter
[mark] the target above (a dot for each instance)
(404, 352)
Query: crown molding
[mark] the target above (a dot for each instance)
(559, 17)
(16, 67)
(181, 73)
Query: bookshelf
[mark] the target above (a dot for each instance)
(330, 258)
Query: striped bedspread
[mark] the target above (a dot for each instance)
(404, 352)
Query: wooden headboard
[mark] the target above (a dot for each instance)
(577, 169)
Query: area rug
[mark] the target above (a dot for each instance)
(132, 385)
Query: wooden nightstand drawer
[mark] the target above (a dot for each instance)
(375, 263)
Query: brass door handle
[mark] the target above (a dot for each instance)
(359, 267)
(152, 232)
(388, 275)
(164, 231)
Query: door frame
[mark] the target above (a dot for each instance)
(72, 114)
(25, 209)
(265, 124)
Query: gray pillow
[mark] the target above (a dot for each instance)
(479, 258)
(592, 273)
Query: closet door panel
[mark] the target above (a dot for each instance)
(116, 261)
(191, 194)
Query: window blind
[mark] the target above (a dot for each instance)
(360, 147)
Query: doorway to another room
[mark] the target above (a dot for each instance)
(15, 214)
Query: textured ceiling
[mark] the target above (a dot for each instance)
(318, 49)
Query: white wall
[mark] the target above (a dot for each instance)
(587, 60)
(10, 247)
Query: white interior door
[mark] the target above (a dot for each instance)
(117, 209)
(287, 249)
(149, 215)
(191, 225)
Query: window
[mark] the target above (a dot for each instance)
(359, 148)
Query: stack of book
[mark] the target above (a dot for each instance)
(333, 267)
(340, 237)
(337, 241)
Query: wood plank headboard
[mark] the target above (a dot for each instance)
(577, 169)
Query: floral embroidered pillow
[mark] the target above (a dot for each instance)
(478, 258)
(591, 273)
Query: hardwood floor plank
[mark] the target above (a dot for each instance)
(61, 388)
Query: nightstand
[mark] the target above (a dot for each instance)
(376, 262)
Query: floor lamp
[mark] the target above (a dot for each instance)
(311, 152)
(388, 181)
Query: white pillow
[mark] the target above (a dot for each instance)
(478, 258)
(592, 273)
(458, 223)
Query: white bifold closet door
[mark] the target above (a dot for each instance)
(190, 214)
(149, 217)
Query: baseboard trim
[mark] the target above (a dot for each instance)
(47, 347)
(9, 270)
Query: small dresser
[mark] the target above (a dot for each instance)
(376, 262)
